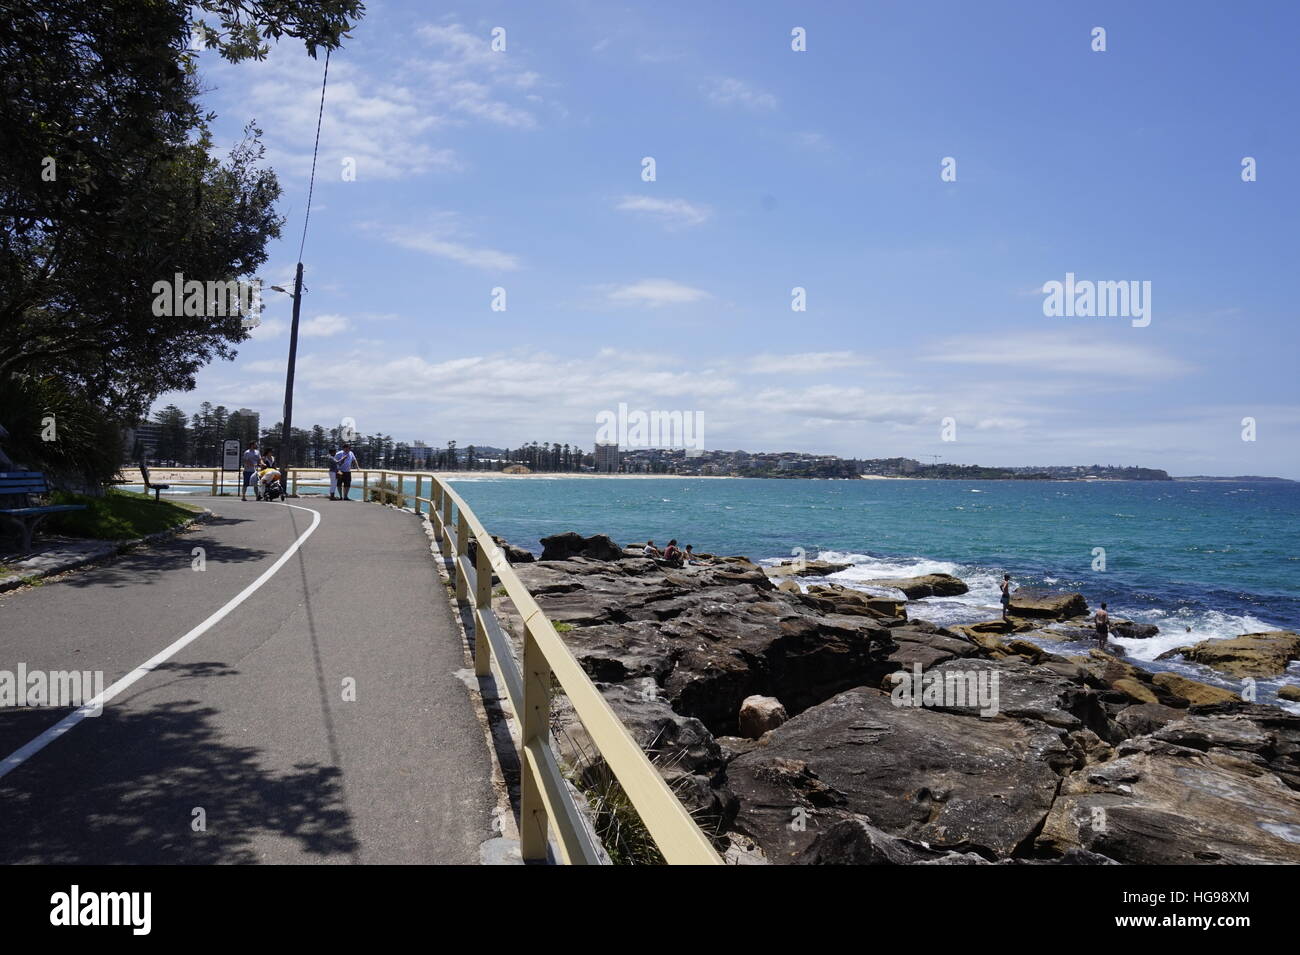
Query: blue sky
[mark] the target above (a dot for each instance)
(820, 169)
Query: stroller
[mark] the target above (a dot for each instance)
(272, 488)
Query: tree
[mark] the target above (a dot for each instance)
(243, 428)
(173, 439)
(107, 186)
(318, 445)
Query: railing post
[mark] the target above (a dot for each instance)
(293, 482)
(365, 484)
(401, 489)
(419, 487)
(483, 606)
(462, 550)
(448, 528)
(214, 480)
(536, 726)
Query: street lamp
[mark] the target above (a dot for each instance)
(287, 421)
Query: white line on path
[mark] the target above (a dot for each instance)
(20, 756)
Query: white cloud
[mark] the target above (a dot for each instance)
(812, 140)
(671, 212)
(804, 362)
(1095, 354)
(469, 78)
(728, 91)
(268, 329)
(654, 293)
(383, 127)
(324, 326)
(383, 118)
(443, 241)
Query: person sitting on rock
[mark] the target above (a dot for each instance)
(672, 555)
(651, 550)
(689, 555)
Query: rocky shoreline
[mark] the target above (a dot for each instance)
(782, 716)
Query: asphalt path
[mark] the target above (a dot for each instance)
(243, 745)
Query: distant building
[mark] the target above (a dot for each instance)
(255, 416)
(606, 458)
(421, 456)
(142, 438)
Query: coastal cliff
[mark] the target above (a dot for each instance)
(815, 724)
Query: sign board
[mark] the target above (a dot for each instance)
(230, 455)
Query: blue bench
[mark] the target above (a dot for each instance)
(17, 488)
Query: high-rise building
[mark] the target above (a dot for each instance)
(255, 417)
(142, 439)
(606, 458)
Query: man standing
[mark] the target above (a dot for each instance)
(346, 462)
(334, 471)
(252, 461)
(1102, 621)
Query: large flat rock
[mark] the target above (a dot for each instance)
(951, 781)
(1249, 655)
(1160, 803)
(1050, 604)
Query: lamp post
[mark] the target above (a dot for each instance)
(287, 420)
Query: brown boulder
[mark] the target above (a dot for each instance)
(948, 780)
(1036, 602)
(1193, 691)
(1251, 654)
(1161, 803)
(927, 585)
(807, 568)
(758, 714)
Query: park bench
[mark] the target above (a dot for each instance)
(148, 486)
(17, 488)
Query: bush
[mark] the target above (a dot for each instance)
(84, 445)
(385, 492)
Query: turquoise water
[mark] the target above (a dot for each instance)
(1218, 558)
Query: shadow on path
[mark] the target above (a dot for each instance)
(123, 787)
(142, 564)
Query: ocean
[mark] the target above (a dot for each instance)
(1201, 560)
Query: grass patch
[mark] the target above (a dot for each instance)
(118, 515)
(562, 627)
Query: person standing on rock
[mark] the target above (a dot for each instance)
(1005, 587)
(1102, 621)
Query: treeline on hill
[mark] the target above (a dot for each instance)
(974, 472)
(819, 469)
(197, 441)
